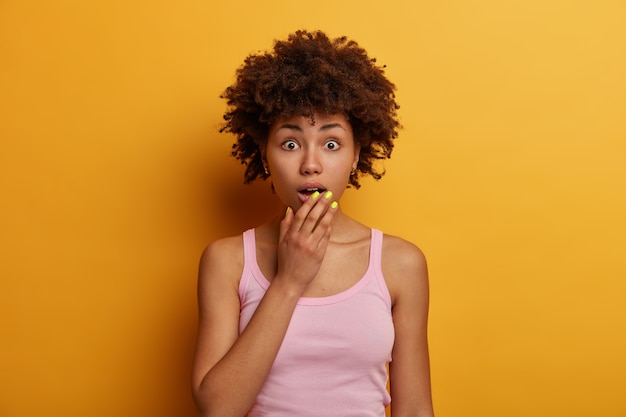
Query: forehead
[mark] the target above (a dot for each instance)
(315, 122)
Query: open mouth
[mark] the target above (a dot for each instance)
(309, 191)
(305, 193)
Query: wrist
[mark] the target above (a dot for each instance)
(286, 287)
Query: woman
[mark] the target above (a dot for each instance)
(302, 315)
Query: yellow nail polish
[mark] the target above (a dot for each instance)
(328, 195)
(315, 195)
(334, 204)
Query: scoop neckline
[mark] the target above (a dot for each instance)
(325, 300)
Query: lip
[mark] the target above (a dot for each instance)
(304, 196)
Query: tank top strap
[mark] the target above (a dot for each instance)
(249, 260)
(376, 253)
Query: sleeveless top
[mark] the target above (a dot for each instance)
(333, 359)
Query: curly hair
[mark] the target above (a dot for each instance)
(308, 73)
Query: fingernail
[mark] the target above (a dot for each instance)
(328, 195)
(315, 195)
(334, 204)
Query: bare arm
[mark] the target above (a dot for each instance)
(405, 268)
(229, 369)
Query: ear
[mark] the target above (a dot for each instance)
(262, 150)
(357, 154)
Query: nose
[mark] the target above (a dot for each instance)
(311, 163)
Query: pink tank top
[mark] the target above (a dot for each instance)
(333, 359)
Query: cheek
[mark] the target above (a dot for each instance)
(280, 168)
(279, 175)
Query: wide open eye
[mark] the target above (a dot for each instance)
(331, 145)
(290, 145)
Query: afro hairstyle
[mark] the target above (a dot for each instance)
(305, 74)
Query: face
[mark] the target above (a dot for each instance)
(303, 158)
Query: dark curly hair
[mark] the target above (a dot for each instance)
(308, 73)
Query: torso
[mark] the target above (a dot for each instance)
(339, 340)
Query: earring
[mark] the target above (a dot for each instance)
(353, 172)
(266, 171)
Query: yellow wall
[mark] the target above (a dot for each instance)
(510, 174)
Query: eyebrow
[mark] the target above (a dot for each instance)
(322, 128)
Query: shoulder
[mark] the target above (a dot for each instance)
(228, 248)
(400, 255)
(404, 267)
(221, 262)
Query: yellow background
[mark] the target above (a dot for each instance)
(509, 173)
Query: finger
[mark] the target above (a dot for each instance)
(304, 211)
(324, 224)
(313, 217)
(286, 223)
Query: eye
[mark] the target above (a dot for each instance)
(331, 145)
(290, 145)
